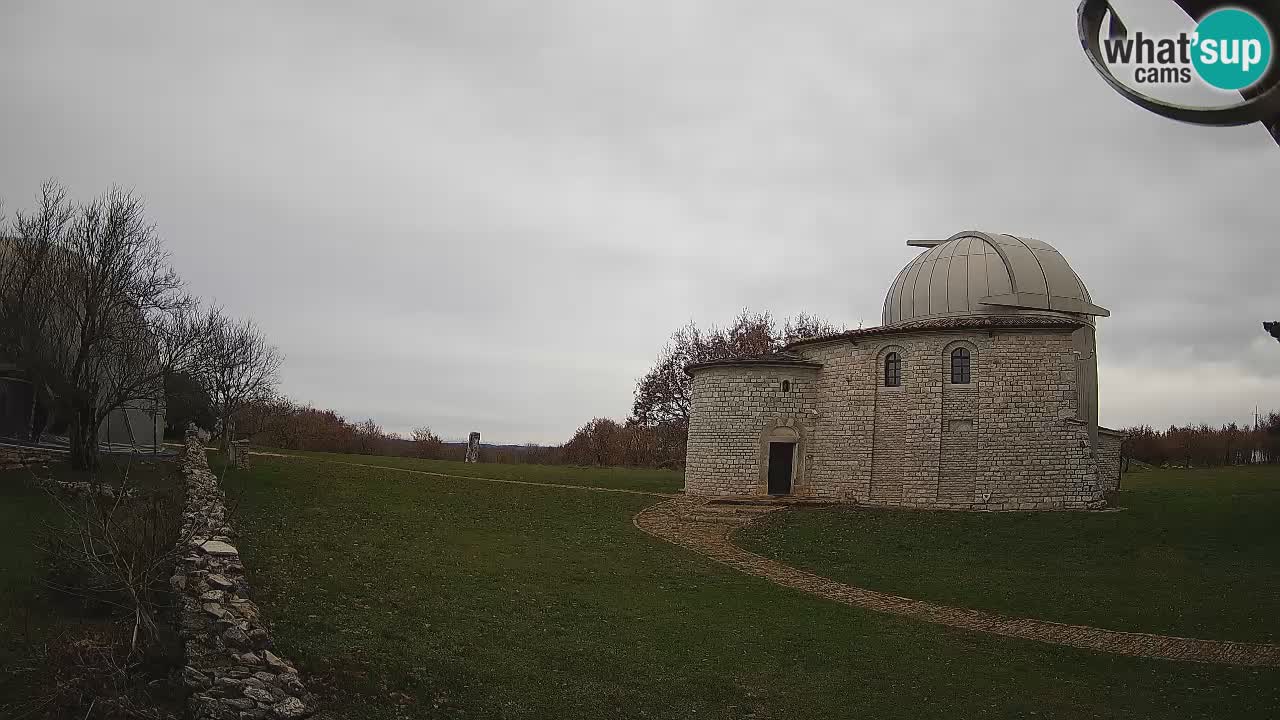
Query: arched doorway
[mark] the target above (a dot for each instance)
(782, 460)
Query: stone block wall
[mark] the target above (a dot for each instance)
(958, 451)
(1035, 454)
(1110, 443)
(733, 407)
(1009, 440)
(841, 446)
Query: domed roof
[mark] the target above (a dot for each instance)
(978, 273)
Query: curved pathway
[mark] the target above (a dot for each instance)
(669, 521)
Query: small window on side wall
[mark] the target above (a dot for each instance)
(892, 370)
(786, 386)
(960, 366)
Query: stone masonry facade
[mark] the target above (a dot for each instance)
(1109, 459)
(1015, 438)
(735, 411)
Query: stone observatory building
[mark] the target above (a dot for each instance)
(978, 392)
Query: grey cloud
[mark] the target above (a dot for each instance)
(490, 215)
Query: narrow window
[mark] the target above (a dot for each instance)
(960, 366)
(892, 370)
(786, 386)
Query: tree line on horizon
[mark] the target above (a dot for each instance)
(656, 432)
(1204, 446)
(655, 435)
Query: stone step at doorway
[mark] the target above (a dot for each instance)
(737, 514)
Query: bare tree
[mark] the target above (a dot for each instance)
(91, 310)
(663, 395)
(368, 437)
(596, 443)
(239, 368)
(427, 444)
(804, 327)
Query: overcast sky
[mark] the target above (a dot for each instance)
(490, 216)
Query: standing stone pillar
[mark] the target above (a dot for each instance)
(240, 454)
(473, 448)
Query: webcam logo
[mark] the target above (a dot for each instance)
(1230, 48)
(1234, 49)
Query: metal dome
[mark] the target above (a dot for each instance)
(978, 273)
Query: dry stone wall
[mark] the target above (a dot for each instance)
(1008, 440)
(231, 670)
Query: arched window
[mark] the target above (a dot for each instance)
(892, 370)
(960, 366)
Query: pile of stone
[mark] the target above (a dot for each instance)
(231, 671)
(79, 488)
(13, 457)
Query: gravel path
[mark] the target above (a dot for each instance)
(669, 521)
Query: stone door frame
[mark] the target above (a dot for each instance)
(783, 430)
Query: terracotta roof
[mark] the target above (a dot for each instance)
(980, 322)
(784, 358)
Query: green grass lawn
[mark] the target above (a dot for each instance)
(645, 479)
(415, 596)
(1193, 553)
(24, 614)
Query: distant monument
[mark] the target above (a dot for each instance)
(473, 448)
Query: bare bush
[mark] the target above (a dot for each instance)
(604, 442)
(83, 676)
(1204, 446)
(284, 424)
(111, 553)
(117, 546)
(663, 396)
(427, 444)
(368, 437)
